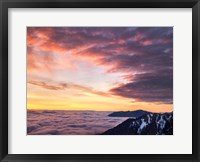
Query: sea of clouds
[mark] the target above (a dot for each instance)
(70, 122)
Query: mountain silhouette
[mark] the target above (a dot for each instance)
(147, 124)
(135, 114)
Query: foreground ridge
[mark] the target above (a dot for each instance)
(148, 124)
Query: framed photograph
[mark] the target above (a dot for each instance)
(99, 81)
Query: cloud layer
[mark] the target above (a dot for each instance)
(69, 122)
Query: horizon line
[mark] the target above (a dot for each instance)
(96, 110)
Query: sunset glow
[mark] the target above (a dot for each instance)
(100, 68)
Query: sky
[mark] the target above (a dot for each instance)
(100, 68)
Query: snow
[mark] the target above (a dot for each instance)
(161, 122)
(157, 118)
(169, 117)
(149, 119)
(132, 124)
(143, 125)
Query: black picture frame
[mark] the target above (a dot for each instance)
(6, 4)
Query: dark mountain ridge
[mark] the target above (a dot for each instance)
(136, 113)
(147, 124)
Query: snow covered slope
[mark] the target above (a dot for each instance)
(148, 124)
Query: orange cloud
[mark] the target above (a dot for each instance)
(49, 64)
(63, 86)
(51, 46)
(47, 86)
(40, 39)
(38, 36)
